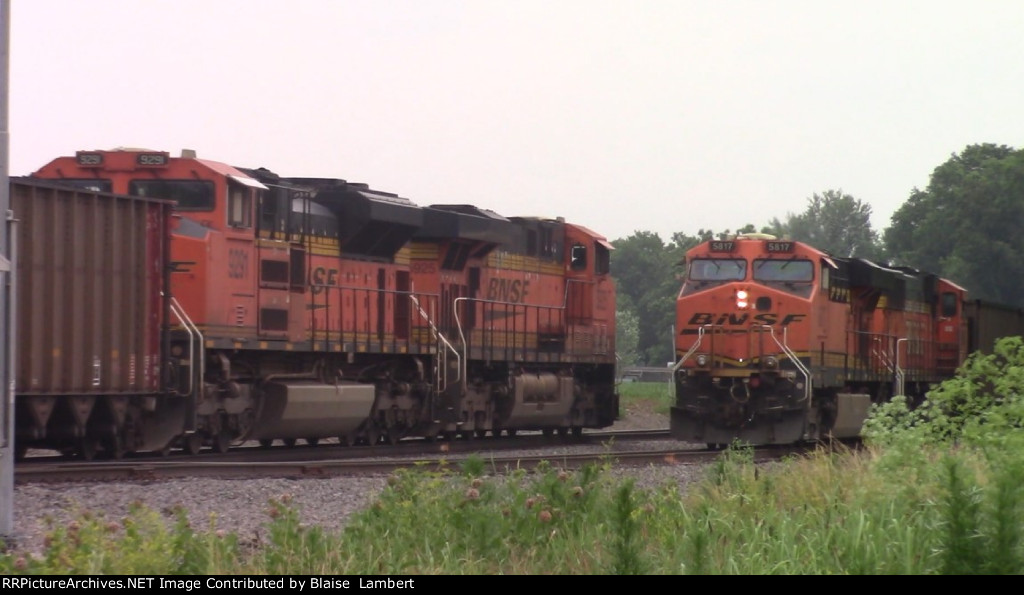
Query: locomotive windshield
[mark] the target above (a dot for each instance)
(783, 270)
(191, 195)
(718, 269)
(90, 184)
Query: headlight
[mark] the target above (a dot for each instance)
(702, 360)
(742, 299)
(771, 362)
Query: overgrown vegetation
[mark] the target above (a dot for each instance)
(645, 396)
(939, 490)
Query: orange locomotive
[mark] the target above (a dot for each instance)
(778, 342)
(312, 308)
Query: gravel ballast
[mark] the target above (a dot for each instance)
(241, 505)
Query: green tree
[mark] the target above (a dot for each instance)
(966, 225)
(643, 267)
(683, 242)
(627, 335)
(834, 222)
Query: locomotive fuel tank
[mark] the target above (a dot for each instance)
(540, 399)
(310, 409)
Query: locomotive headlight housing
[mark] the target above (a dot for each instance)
(771, 362)
(702, 360)
(742, 299)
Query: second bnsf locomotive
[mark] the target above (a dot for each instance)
(778, 342)
(289, 309)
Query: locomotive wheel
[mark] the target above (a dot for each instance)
(510, 432)
(266, 442)
(86, 448)
(20, 452)
(166, 450)
(289, 442)
(222, 443)
(193, 443)
(373, 436)
(393, 436)
(481, 433)
(312, 441)
(548, 432)
(577, 431)
(563, 432)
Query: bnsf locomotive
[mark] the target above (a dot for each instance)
(778, 342)
(177, 302)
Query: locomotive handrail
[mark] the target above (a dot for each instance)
(893, 364)
(900, 377)
(462, 335)
(458, 319)
(193, 333)
(884, 356)
(784, 346)
(565, 294)
(696, 344)
(442, 378)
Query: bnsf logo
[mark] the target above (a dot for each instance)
(507, 290)
(742, 319)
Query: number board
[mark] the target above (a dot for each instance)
(86, 159)
(722, 245)
(776, 247)
(152, 159)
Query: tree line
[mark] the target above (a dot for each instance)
(965, 226)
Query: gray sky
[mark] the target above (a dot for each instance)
(620, 115)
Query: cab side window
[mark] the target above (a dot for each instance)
(949, 304)
(239, 206)
(578, 257)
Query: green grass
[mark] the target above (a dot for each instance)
(651, 396)
(827, 513)
(938, 490)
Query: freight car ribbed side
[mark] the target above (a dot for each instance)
(91, 269)
(987, 322)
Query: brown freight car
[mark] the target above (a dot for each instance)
(91, 278)
(988, 321)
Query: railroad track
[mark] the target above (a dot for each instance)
(405, 447)
(617, 448)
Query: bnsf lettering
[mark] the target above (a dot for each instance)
(423, 268)
(741, 319)
(238, 263)
(320, 277)
(507, 290)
